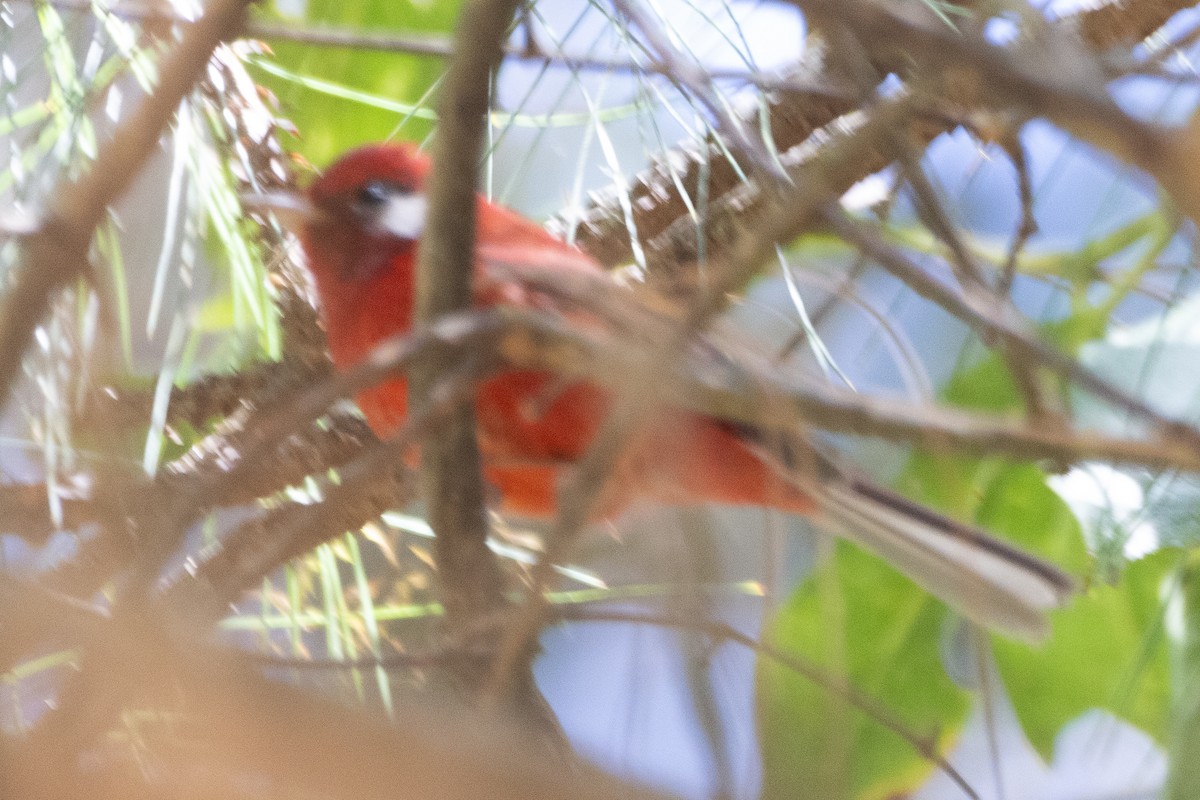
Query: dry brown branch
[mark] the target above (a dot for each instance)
(244, 459)
(276, 446)
(451, 474)
(1110, 23)
(469, 575)
(216, 578)
(367, 486)
(204, 401)
(306, 451)
(654, 194)
(1060, 82)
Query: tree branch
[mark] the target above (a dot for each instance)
(793, 116)
(469, 575)
(451, 472)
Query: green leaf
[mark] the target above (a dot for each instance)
(1107, 651)
(861, 619)
(986, 386)
(1013, 501)
(329, 124)
(1019, 505)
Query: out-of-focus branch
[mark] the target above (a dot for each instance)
(1122, 22)
(452, 480)
(741, 387)
(369, 485)
(305, 451)
(469, 575)
(243, 727)
(1060, 82)
(208, 399)
(274, 447)
(925, 746)
(747, 390)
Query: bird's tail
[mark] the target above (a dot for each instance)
(984, 578)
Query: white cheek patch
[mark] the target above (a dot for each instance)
(404, 216)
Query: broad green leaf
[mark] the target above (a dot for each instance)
(886, 633)
(1013, 501)
(1016, 502)
(861, 619)
(328, 125)
(985, 386)
(1107, 651)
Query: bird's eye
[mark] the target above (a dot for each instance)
(375, 193)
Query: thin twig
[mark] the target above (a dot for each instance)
(987, 324)
(1011, 142)
(935, 217)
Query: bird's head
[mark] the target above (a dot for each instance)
(367, 212)
(364, 214)
(378, 190)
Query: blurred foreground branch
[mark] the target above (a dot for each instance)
(245, 730)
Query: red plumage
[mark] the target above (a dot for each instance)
(530, 424)
(361, 237)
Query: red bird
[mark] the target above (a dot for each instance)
(361, 230)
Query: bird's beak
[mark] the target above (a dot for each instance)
(293, 210)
